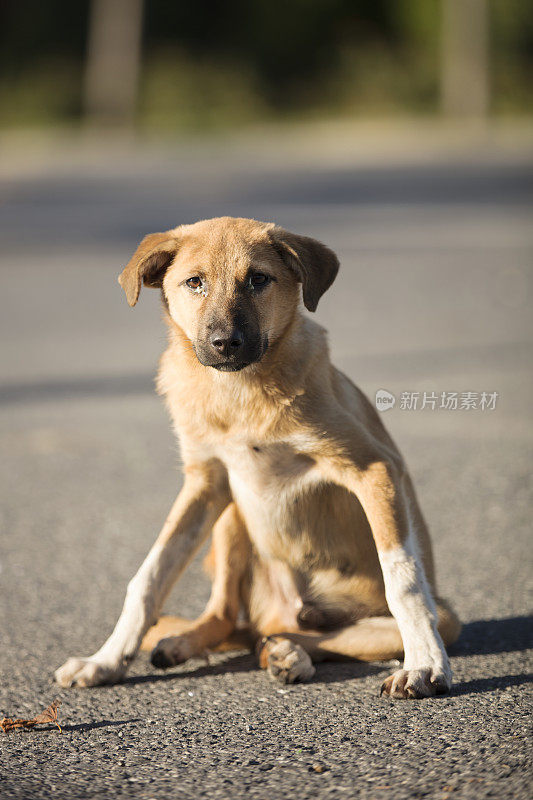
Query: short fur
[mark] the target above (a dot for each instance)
(318, 539)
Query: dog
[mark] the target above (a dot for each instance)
(318, 540)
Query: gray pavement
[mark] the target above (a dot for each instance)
(434, 296)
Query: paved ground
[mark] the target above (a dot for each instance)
(434, 295)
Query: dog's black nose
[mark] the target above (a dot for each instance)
(227, 343)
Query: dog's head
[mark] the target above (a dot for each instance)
(231, 284)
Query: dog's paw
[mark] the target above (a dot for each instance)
(171, 651)
(410, 684)
(287, 662)
(87, 672)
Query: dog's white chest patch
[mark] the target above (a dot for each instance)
(267, 468)
(264, 480)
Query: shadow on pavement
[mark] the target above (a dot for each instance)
(412, 184)
(67, 389)
(90, 726)
(489, 636)
(339, 671)
(242, 662)
(490, 684)
(327, 672)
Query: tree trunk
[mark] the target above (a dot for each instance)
(113, 61)
(465, 89)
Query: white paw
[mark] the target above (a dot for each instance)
(87, 672)
(409, 684)
(287, 662)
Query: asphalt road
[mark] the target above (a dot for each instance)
(434, 296)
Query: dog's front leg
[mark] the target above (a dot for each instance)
(377, 476)
(201, 501)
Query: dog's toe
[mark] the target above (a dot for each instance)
(414, 684)
(87, 672)
(287, 662)
(171, 651)
(160, 659)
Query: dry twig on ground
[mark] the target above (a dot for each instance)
(46, 716)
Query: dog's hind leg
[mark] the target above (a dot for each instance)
(369, 639)
(215, 628)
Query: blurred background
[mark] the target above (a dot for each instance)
(177, 66)
(400, 133)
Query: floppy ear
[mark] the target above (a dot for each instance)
(314, 264)
(148, 264)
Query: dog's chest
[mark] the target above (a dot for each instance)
(265, 469)
(265, 481)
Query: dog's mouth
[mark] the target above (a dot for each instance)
(230, 366)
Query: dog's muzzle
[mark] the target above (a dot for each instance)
(229, 351)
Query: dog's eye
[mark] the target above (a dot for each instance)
(258, 280)
(195, 283)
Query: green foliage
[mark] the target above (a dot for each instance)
(512, 64)
(180, 91)
(41, 94)
(209, 64)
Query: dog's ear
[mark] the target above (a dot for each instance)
(314, 264)
(148, 264)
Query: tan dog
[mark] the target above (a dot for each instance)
(317, 534)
